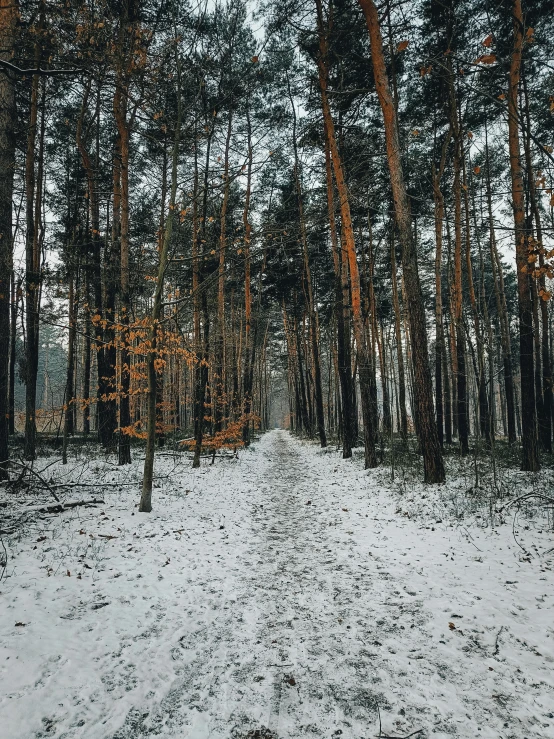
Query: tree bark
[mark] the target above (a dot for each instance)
(94, 259)
(438, 198)
(312, 310)
(33, 208)
(542, 331)
(9, 14)
(530, 453)
(460, 375)
(342, 317)
(483, 402)
(68, 426)
(120, 105)
(403, 420)
(247, 377)
(145, 504)
(219, 394)
(423, 390)
(364, 359)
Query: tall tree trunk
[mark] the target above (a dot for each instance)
(312, 310)
(457, 288)
(542, 332)
(68, 427)
(399, 352)
(438, 198)
(376, 343)
(484, 416)
(342, 317)
(247, 378)
(198, 402)
(94, 257)
(145, 504)
(364, 358)
(120, 109)
(530, 452)
(9, 14)
(447, 392)
(87, 346)
(304, 410)
(219, 395)
(502, 311)
(120, 115)
(15, 288)
(33, 206)
(107, 422)
(423, 389)
(202, 365)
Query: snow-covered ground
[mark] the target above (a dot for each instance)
(287, 594)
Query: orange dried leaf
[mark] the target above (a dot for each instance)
(486, 59)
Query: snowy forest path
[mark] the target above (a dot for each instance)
(282, 595)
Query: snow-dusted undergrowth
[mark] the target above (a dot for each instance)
(287, 594)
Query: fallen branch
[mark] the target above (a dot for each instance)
(61, 507)
(36, 474)
(94, 484)
(524, 497)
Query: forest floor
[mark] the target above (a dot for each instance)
(285, 594)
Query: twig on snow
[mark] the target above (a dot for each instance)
(5, 562)
(389, 736)
(496, 646)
